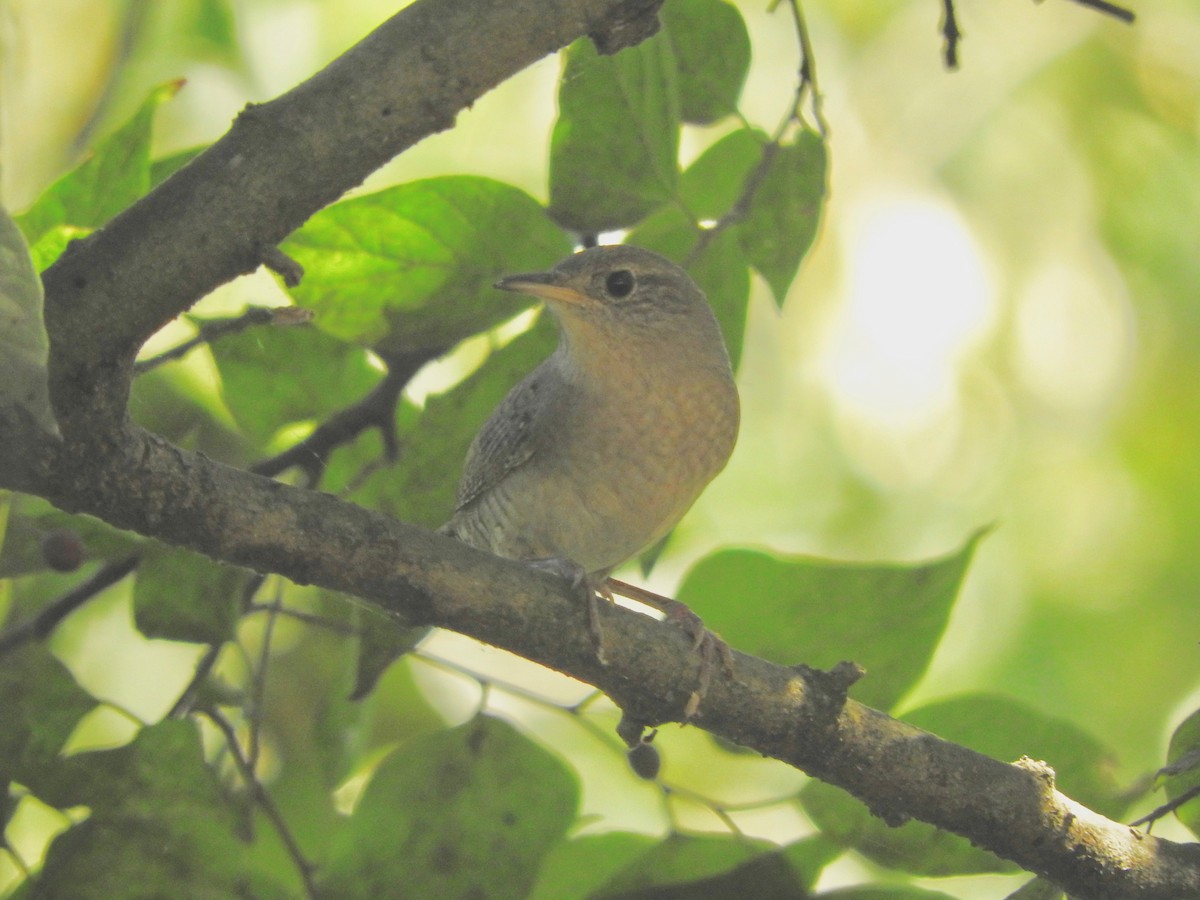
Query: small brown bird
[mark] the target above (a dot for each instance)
(600, 451)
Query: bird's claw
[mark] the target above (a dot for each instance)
(589, 591)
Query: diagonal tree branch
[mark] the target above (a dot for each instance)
(219, 216)
(791, 714)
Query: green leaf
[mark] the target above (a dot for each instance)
(884, 892)
(576, 869)
(411, 268)
(1183, 772)
(42, 705)
(33, 518)
(998, 727)
(53, 242)
(914, 847)
(712, 49)
(786, 210)
(24, 344)
(886, 617)
(468, 812)
(712, 185)
(115, 175)
(710, 866)
(614, 148)
(1037, 889)
(421, 487)
(272, 376)
(159, 825)
(381, 643)
(183, 596)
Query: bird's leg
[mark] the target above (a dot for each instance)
(589, 589)
(709, 645)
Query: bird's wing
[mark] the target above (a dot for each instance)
(508, 439)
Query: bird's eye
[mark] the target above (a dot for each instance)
(619, 283)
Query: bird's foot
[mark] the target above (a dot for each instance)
(708, 645)
(590, 591)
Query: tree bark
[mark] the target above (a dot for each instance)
(221, 215)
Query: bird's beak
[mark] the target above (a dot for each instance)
(544, 286)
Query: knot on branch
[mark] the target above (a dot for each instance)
(638, 22)
(824, 699)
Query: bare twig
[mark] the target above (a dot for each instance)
(264, 801)
(1167, 808)
(258, 681)
(187, 697)
(333, 625)
(951, 33)
(376, 410)
(807, 84)
(215, 329)
(1110, 9)
(39, 627)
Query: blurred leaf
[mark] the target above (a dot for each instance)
(159, 825)
(214, 28)
(381, 643)
(914, 847)
(465, 812)
(712, 185)
(782, 221)
(886, 617)
(720, 269)
(712, 49)
(115, 175)
(272, 376)
(711, 866)
(1037, 889)
(1183, 773)
(884, 892)
(412, 267)
(614, 147)
(422, 485)
(576, 869)
(32, 519)
(183, 596)
(42, 705)
(998, 727)
(24, 344)
(53, 242)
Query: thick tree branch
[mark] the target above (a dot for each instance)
(217, 218)
(899, 771)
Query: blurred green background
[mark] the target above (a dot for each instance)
(999, 325)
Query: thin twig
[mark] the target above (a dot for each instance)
(264, 801)
(375, 410)
(1103, 6)
(258, 681)
(187, 697)
(808, 72)
(38, 627)
(317, 621)
(741, 208)
(215, 329)
(952, 34)
(1167, 808)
